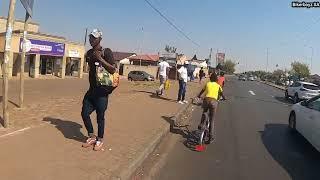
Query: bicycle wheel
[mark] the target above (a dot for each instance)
(204, 131)
(203, 135)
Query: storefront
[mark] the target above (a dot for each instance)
(73, 62)
(51, 54)
(46, 55)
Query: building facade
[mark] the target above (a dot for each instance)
(47, 55)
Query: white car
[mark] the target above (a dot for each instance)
(251, 78)
(305, 118)
(302, 90)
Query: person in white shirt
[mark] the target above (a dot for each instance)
(164, 69)
(183, 79)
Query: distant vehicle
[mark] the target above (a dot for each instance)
(302, 90)
(305, 118)
(140, 76)
(255, 77)
(251, 78)
(242, 78)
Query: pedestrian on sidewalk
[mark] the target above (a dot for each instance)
(164, 69)
(183, 79)
(96, 98)
(201, 74)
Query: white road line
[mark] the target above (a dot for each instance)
(252, 93)
(14, 132)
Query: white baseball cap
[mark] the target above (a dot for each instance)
(96, 33)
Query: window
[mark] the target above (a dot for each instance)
(315, 104)
(296, 84)
(311, 87)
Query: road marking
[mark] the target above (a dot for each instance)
(14, 132)
(252, 93)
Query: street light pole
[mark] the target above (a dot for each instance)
(267, 59)
(7, 50)
(311, 59)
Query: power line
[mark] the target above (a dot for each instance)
(171, 23)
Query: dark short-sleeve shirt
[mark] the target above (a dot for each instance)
(94, 88)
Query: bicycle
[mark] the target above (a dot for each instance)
(204, 131)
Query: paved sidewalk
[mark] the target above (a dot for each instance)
(49, 145)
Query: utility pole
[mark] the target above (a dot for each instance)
(311, 59)
(23, 59)
(141, 43)
(7, 50)
(85, 37)
(267, 59)
(217, 57)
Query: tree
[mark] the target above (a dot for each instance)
(300, 69)
(170, 49)
(229, 67)
(277, 74)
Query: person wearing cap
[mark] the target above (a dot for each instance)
(183, 79)
(96, 98)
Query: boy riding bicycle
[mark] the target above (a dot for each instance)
(210, 103)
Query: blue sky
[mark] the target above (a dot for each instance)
(244, 29)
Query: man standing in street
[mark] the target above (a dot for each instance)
(183, 79)
(201, 74)
(96, 98)
(221, 79)
(164, 69)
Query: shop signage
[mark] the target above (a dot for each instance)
(43, 47)
(74, 53)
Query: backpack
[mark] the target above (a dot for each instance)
(106, 79)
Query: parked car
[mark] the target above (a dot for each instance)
(302, 90)
(242, 78)
(305, 119)
(251, 78)
(140, 76)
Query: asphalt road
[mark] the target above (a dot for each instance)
(253, 142)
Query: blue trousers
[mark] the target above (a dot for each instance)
(182, 90)
(92, 103)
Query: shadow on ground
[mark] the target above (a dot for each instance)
(154, 95)
(292, 151)
(70, 129)
(283, 100)
(191, 137)
(15, 104)
(1, 122)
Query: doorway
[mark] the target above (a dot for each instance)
(46, 65)
(72, 66)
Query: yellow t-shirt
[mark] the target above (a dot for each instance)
(212, 90)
